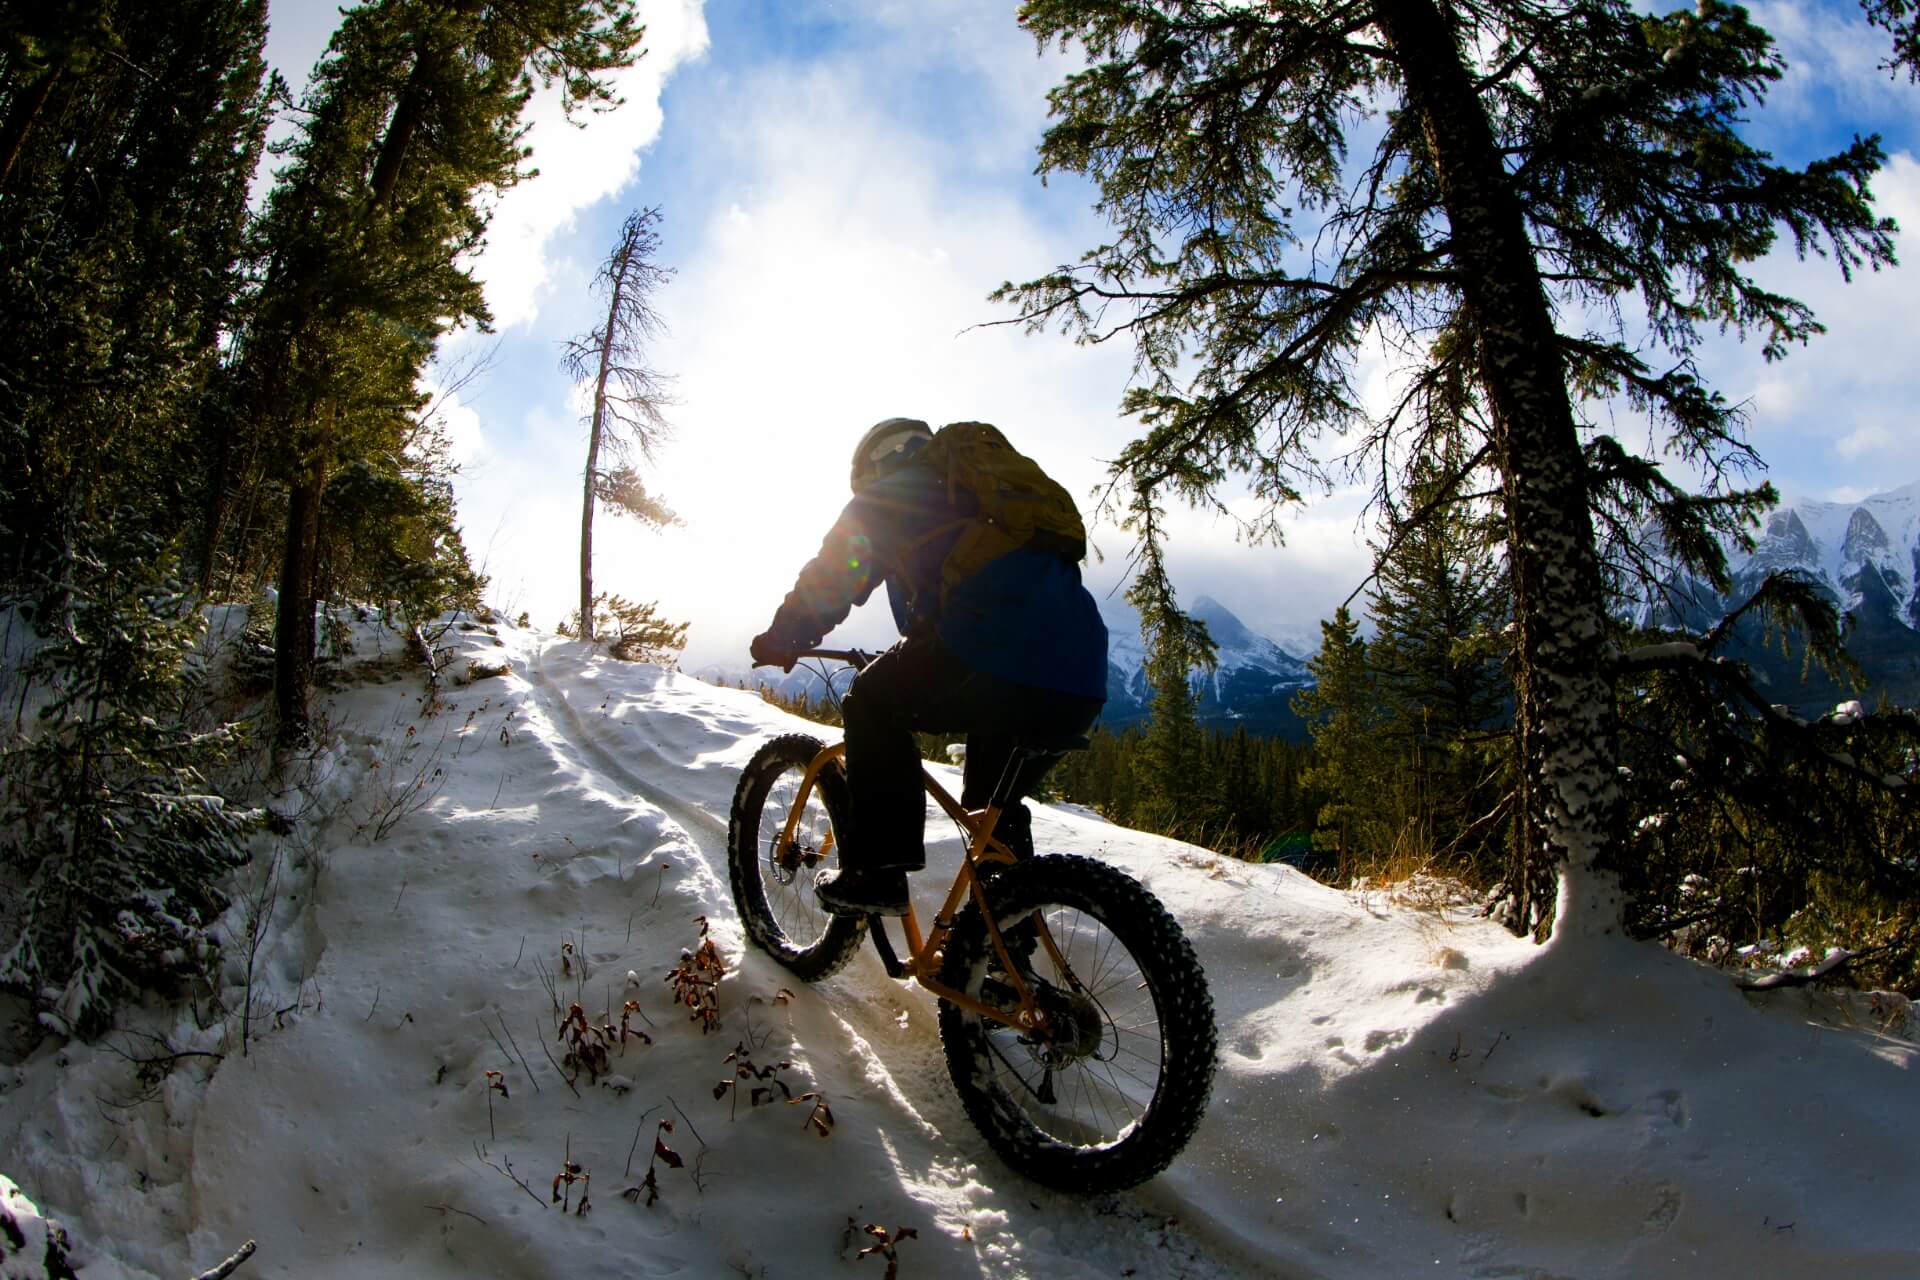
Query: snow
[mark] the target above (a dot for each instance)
(1403, 1088)
(1888, 529)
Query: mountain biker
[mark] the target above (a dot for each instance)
(1012, 650)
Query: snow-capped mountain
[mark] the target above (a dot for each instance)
(1866, 553)
(1252, 684)
(1866, 556)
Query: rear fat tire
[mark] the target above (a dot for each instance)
(980, 1053)
(780, 914)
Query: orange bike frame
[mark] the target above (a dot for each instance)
(925, 955)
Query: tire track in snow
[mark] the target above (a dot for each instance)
(862, 1023)
(705, 832)
(940, 1159)
(575, 733)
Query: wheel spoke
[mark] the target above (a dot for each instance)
(789, 874)
(1074, 1093)
(772, 877)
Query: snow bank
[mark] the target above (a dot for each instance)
(1403, 1088)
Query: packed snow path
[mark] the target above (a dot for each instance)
(1403, 1088)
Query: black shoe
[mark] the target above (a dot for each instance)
(853, 892)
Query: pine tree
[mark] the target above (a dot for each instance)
(1901, 20)
(628, 394)
(1439, 608)
(131, 133)
(413, 116)
(1579, 155)
(113, 835)
(1354, 762)
(1170, 761)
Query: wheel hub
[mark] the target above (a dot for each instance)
(789, 861)
(1075, 1025)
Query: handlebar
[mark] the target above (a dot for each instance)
(855, 658)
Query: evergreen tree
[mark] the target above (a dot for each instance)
(112, 833)
(413, 116)
(1536, 161)
(131, 132)
(1439, 608)
(1901, 19)
(1354, 762)
(628, 394)
(1170, 762)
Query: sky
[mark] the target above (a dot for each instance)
(842, 183)
(1403, 1088)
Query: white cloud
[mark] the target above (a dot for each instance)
(835, 242)
(1869, 439)
(1833, 58)
(578, 166)
(1859, 373)
(466, 435)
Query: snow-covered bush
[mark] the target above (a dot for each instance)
(110, 827)
(32, 1246)
(1767, 840)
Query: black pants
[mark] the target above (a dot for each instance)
(920, 686)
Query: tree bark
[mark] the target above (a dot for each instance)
(20, 121)
(407, 115)
(593, 441)
(293, 635)
(1567, 714)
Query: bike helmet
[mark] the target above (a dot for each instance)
(885, 444)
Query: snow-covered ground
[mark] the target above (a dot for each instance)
(1403, 1089)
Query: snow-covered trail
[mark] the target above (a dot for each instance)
(1402, 1088)
(861, 1034)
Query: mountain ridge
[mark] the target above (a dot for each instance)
(1863, 556)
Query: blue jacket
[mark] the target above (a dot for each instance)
(1024, 617)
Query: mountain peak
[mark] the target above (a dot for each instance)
(1227, 630)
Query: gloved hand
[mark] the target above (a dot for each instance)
(769, 652)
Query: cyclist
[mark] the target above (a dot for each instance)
(1009, 650)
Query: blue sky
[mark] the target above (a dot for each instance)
(842, 185)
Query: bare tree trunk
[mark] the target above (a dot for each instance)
(407, 115)
(1567, 711)
(594, 439)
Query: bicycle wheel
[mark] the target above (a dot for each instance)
(772, 887)
(1115, 1088)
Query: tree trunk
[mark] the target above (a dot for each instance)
(593, 442)
(216, 504)
(400, 130)
(1567, 712)
(586, 529)
(20, 121)
(293, 636)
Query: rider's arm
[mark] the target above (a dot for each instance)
(858, 553)
(841, 576)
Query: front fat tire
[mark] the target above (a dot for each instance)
(981, 1054)
(782, 916)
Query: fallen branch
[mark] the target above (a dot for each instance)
(231, 1265)
(480, 1153)
(423, 650)
(1837, 960)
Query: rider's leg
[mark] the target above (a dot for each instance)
(908, 687)
(1011, 714)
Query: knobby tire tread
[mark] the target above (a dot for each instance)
(824, 956)
(1181, 999)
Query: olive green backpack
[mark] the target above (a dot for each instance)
(1020, 505)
